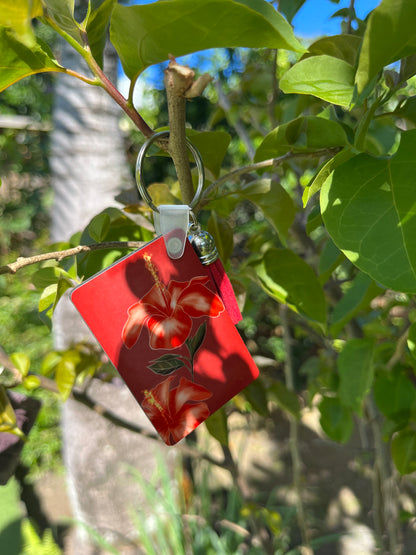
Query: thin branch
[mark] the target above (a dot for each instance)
(270, 163)
(293, 428)
(86, 400)
(350, 17)
(21, 262)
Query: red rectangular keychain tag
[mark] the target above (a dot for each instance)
(168, 334)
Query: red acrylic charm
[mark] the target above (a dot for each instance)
(167, 332)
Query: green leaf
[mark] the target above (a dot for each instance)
(286, 399)
(324, 172)
(356, 299)
(7, 416)
(403, 451)
(146, 35)
(47, 299)
(48, 276)
(31, 382)
(17, 15)
(222, 234)
(395, 395)
(389, 36)
(368, 206)
(343, 47)
(195, 342)
(407, 110)
(256, 395)
(217, 426)
(66, 374)
(166, 364)
(97, 26)
(212, 146)
(288, 279)
(328, 78)
(275, 203)
(289, 8)
(411, 340)
(336, 420)
(122, 228)
(303, 134)
(61, 12)
(22, 362)
(356, 372)
(19, 61)
(99, 226)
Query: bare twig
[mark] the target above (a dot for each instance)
(270, 163)
(21, 262)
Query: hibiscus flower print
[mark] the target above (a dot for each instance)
(167, 311)
(178, 411)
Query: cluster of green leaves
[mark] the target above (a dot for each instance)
(335, 237)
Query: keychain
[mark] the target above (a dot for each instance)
(165, 317)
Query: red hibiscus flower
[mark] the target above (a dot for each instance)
(167, 312)
(176, 412)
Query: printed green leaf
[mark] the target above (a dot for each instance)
(288, 279)
(18, 60)
(322, 76)
(368, 206)
(166, 364)
(275, 203)
(303, 134)
(61, 12)
(195, 342)
(31, 382)
(222, 234)
(343, 47)
(389, 36)
(356, 372)
(336, 420)
(217, 426)
(146, 35)
(356, 298)
(403, 450)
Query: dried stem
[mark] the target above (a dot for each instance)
(21, 262)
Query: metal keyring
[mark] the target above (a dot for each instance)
(139, 175)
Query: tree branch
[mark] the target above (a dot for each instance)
(180, 85)
(21, 262)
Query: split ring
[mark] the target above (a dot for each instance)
(139, 173)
